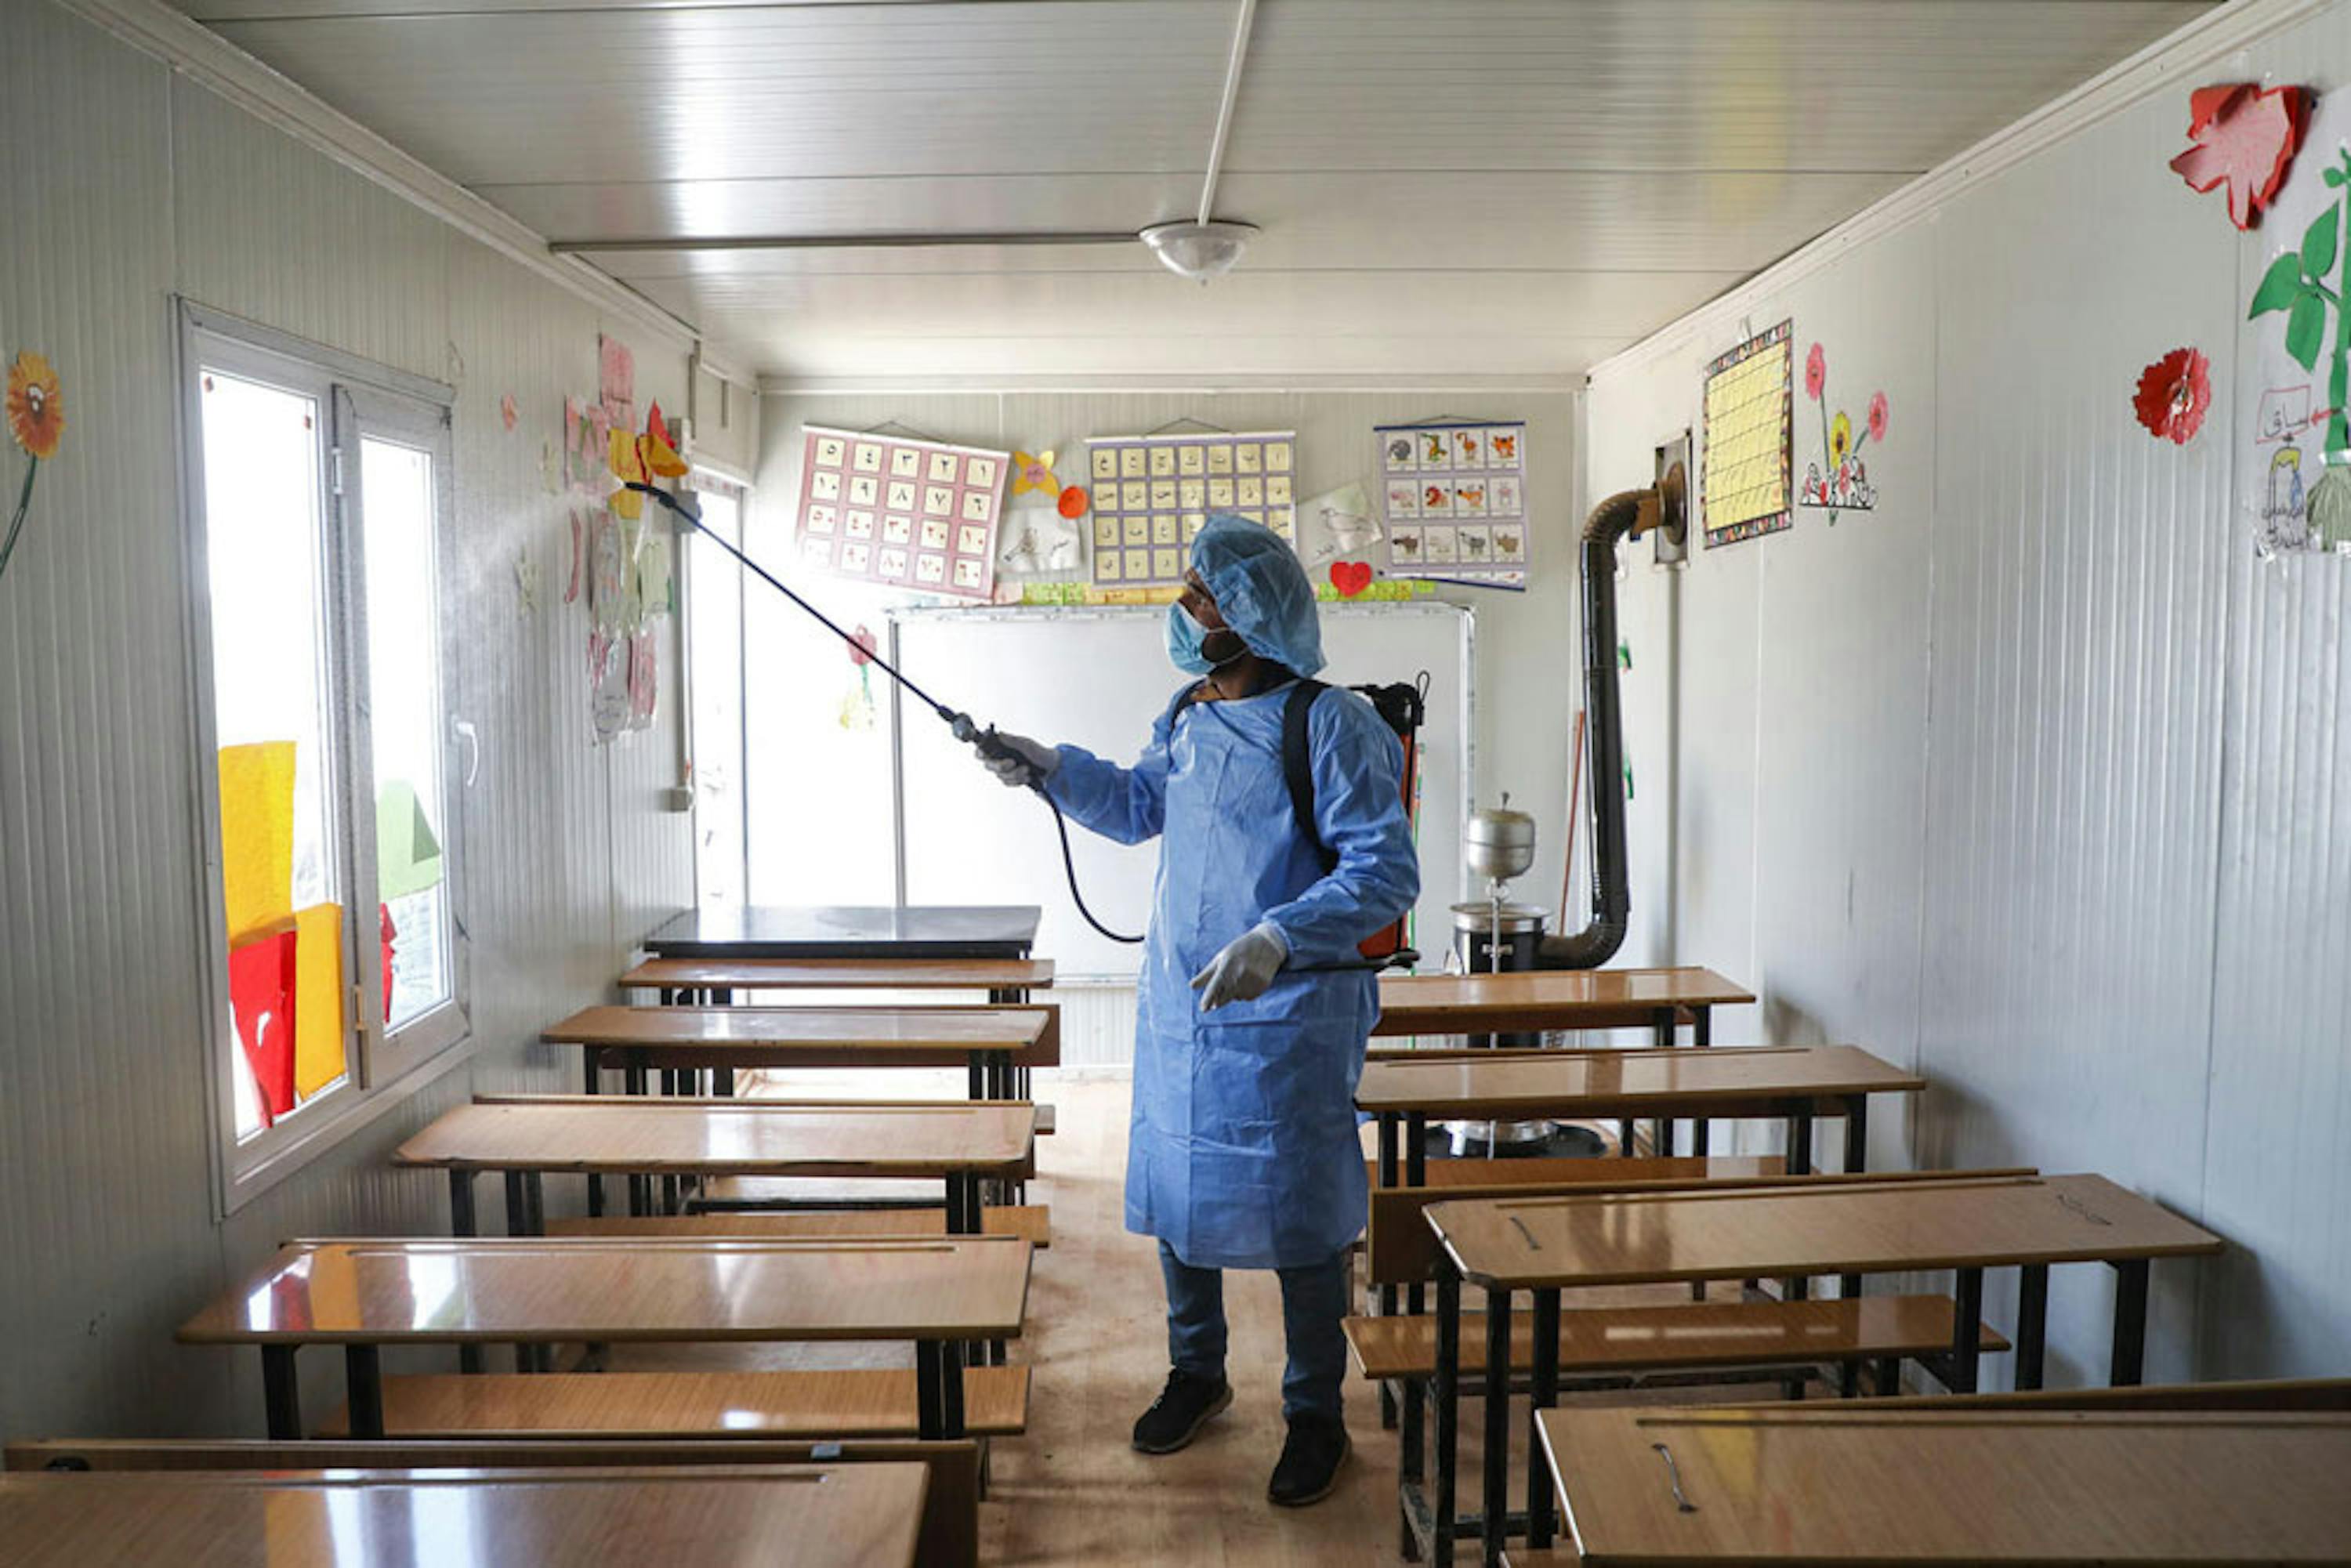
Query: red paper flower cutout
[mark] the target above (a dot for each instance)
(2173, 394)
(1816, 373)
(2245, 136)
(861, 648)
(1877, 416)
(1073, 502)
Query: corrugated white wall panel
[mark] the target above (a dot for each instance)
(129, 185)
(107, 1237)
(2100, 935)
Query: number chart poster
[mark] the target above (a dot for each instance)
(1457, 501)
(887, 508)
(1151, 493)
(1744, 479)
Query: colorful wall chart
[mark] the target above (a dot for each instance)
(899, 509)
(1456, 500)
(1151, 493)
(1743, 489)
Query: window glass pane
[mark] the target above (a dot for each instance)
(275, 727)
(404, 726)
(714, 655)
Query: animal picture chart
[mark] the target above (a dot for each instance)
(1743, 479)
(1457, 500)
(1152, 493)
(898, 509)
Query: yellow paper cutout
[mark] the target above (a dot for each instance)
(318, 1021)
(1034, 471)
(257, 804)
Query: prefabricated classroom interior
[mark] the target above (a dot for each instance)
(1942, 401)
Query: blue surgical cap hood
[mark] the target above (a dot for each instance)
(1261, 590)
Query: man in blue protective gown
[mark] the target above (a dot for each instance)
(1251, 1025)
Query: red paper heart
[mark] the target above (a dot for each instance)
(1351, 577)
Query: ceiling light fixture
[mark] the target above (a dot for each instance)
(1199, 250)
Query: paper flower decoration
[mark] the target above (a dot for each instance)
(2173, 394)
(1840, 438)
(1034, 471)
(1876, 416)
(37, 421)
(640, 459)
(1073, 502)
(1816, 373)
(506, 410)
(2244, 136)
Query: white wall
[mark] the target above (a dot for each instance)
(823, 794)
(2029, 777)
(124, 185)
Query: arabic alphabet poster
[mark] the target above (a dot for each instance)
(2294, 352)
(898, 509)
(1456, 500)
(1743, 474)
(1152, 493)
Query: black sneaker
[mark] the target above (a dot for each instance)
(1183, 1408)
(1309, 1468)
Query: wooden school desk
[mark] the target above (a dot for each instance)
(848, 931)
(1791, 1082)
(837, 1516)
(990, 1043)
(1530, 999)
(716, 980)
(366, 1294)
(1839, 1485)
(1563, 999)
(959, 1142)
(1543, 1245)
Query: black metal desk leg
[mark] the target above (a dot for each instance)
(280, 1396)
(592, 1072)
(2129, 1360)
(1386, 1294)
(976, 1076)
(1498, 1423)
(1546, 1395)
(2032, 1323)
(1701, 1036)
(363, 1386)
(461, 1203)
(1800, 1163)
(1856, 1160)
(1661, 1029)
(930, 1415)
(1415, 1149)
(951, 1358)
(1966, 1322)
(1448, 1409)
(534, 1202)
(518, 1206)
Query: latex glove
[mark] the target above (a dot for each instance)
(1245, 968)
(1021, 760)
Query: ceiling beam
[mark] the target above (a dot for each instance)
(845, 241)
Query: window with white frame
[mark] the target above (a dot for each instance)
(320, 511)
(714, 626)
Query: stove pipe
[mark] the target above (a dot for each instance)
(1627, 515)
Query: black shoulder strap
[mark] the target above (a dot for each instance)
(1297, 758)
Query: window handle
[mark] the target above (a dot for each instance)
(473, 739)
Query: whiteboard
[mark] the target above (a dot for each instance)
(1097, 678)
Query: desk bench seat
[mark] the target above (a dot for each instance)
(1605, 1170)
(831, 1403)
(1031, 1222)
(1603, 1340)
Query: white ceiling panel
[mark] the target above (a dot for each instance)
(733, 93)
(1511, 187)
(1664, 84)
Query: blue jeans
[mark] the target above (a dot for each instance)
(1313, 1300)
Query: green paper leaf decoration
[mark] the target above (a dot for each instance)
(2318, 243)
(2333, 176)
(2280, 286)
(2305, 330)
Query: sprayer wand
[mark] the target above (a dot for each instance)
(959, 724)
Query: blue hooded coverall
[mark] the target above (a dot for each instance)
(1244, 1152)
